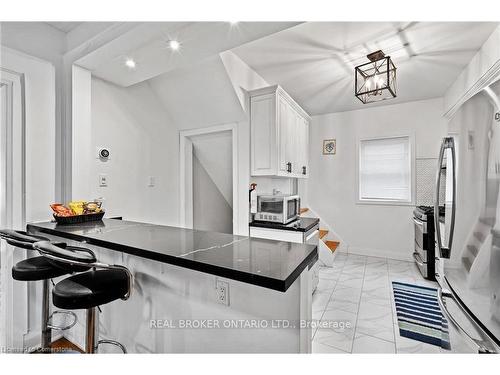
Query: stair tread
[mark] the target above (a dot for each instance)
(480, 236)
(473, 249)
(304, 210)
(332, 245)
(467, 263)
(322, 233)
(487, 220)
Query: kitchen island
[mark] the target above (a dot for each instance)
(176, 305)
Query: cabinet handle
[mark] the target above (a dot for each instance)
(304, 170)
(289, 167)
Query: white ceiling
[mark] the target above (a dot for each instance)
(314, 62)
(65, 27)
(147, 45)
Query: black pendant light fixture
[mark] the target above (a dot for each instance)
(375, 80)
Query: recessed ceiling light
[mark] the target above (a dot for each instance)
(130, 63)
(174, 45)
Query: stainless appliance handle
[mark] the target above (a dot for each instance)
(418, 222)
(421, 224)
(418, 259)
(485, 344)
(445, 251)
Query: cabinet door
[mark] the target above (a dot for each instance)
(303, 147)
(285, 117)
(263, 135)
(296, 141)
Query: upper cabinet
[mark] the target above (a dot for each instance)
(279, 134)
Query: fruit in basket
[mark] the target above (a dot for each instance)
(91, 208)
(61, 210)
(77, 207)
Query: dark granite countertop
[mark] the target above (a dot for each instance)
(270, 264)
(302, 224)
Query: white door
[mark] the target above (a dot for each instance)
(13, 311)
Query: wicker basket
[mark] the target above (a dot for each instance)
(78, 219)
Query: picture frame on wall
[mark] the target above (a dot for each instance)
(329, 147)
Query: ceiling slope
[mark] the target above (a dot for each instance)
(147, 44)
(314, 61)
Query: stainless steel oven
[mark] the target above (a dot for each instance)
(423, 251)
(277, 208)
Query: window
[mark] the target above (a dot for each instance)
(385, 170)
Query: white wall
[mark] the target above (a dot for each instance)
(211, 211)
(40, 171)
(40, 130)
(215, 153)
(40, 40)
(82, 134)
(331, 188)
(198, 96)
(481, 71)
(144, 142)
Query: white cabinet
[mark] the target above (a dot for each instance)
(279, 134)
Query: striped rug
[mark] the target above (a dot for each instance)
(419, 314)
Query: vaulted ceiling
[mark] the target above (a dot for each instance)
(65, 27)
(314, 61)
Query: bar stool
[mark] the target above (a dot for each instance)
(103, 284)
(39, 269)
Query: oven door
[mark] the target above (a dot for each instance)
(420, 257)
(271, 205)
(420, 232)
(292, 208)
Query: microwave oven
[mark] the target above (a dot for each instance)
(277, 208)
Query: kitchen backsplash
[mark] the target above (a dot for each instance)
(426, 180)
(265, 185)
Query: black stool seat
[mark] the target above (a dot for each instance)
(90, 289)
(36, 268)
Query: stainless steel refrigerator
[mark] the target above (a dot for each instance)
(468, 233)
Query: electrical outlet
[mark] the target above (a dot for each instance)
(222, 290)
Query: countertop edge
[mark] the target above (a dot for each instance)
(258, 280)
(263, 224)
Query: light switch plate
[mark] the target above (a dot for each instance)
(151, 181)
(103, 180)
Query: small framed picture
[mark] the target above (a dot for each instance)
(329, 147)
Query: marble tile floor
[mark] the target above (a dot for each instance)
(354, 306)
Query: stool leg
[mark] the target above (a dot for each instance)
(92, 327)
(46, 331)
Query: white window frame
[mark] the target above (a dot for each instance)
(387, 202)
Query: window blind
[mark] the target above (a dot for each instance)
(384, 169)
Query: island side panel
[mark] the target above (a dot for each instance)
(167, 297)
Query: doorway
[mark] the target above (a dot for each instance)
(12, 202)
(208, 181)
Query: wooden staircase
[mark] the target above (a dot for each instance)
(323, 233)
(332, 245)
(475, 242)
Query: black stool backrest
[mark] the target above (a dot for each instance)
(20, 239)
(79, 256)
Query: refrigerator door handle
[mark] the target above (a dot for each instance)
(445, 251)
(485, 345)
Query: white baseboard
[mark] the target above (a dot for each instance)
(406, 256)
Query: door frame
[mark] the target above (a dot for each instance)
(186, 168)
(13, 169)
